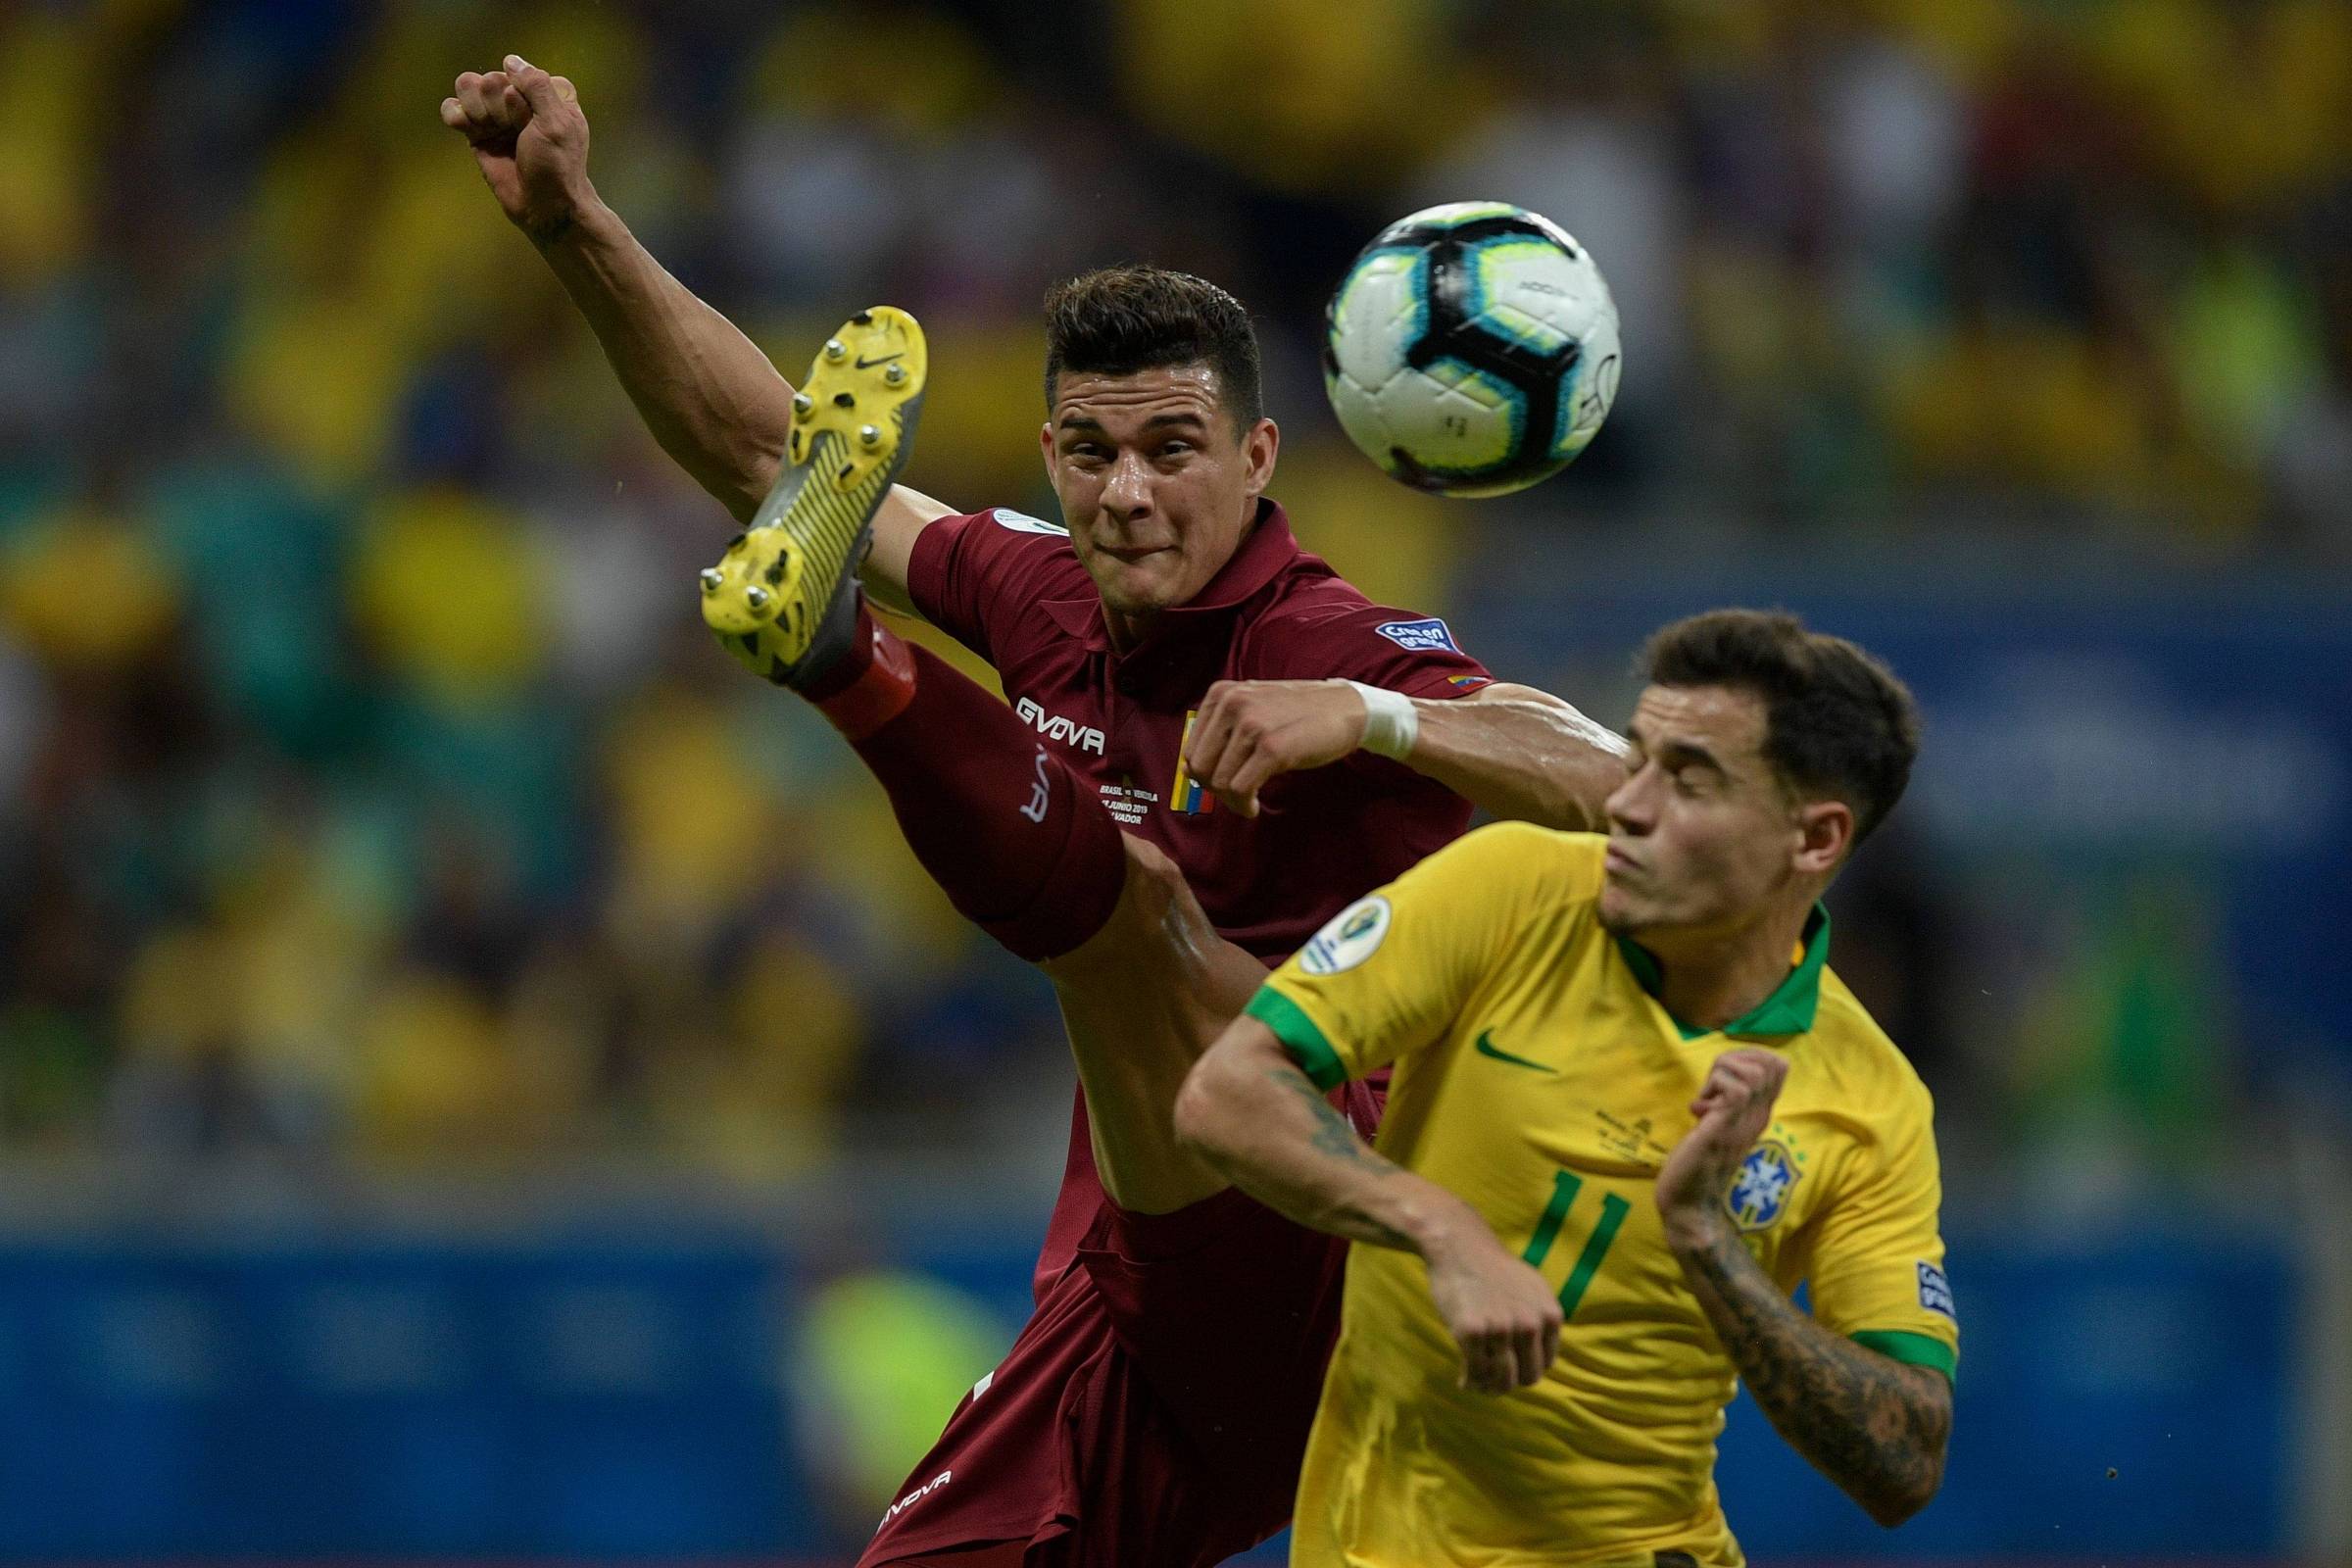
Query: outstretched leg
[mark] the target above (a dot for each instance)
(1021, 844)
(1027, 851)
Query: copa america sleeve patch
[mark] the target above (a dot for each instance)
(1936, 1291)
(1353, 935)
(1022, 522)
(1419, 636)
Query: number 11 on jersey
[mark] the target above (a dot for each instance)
(1614, 1209)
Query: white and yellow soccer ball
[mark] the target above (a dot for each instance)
(1472, 349)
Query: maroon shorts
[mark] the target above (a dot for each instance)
(1155, 1409)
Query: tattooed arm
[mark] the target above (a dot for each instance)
(1250, 1111)
(1870, 1423)
(1873, 1425)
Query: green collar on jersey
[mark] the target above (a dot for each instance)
(1788, 1010)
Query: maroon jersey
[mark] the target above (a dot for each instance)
(1203, 1332)
(1010, 588)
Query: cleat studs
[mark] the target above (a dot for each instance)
(895, 374)
(714, 579)
(803, 402)
(755, 596)
(869, 435)
(845, 400)
(836, 350)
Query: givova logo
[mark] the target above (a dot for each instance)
(1055, 727)
(912, 1497)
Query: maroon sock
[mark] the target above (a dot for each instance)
(1024, 847)
(870, 684)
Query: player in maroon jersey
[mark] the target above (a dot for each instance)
(1181, 790)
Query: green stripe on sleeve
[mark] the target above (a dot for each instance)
(1912, 1350)
(1298, 1036)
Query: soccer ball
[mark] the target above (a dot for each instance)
(1471, 350)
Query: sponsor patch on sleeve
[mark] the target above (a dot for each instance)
(1353, 935)
(1022, 522)
(1936, 1291)
(1419, 636)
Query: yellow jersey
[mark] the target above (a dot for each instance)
(1537, 1078)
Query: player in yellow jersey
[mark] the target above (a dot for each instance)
(1633, 1109)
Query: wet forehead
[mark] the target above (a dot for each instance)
(1123, 403)
(1728, 724)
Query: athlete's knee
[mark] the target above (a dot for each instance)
(1156, 891)
(1156, 918)
(1079, 891)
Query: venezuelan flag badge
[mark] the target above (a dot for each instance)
(1185, 797)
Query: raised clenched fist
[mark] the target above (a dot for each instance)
(1733, 1107)
(530, 137)
(1252, 731)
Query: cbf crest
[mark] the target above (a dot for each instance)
(1760, 1191)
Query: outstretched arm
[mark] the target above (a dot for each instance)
(707, 394)
(1870, 1423)
(1250, 1111)
(1518, 753)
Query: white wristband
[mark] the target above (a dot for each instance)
(1391, 721)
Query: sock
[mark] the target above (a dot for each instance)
(1022, 846)
(870, 684)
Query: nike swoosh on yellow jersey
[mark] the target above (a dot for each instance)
(1486, 1048)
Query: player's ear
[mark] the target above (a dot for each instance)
(1259, 447)
(1825, 832)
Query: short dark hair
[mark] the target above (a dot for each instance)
(1117, 321)
(1838, 724)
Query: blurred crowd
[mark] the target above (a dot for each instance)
(368, 789)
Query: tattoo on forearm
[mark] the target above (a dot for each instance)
(1336, 1136)
(1869, 1423)
(546, 235)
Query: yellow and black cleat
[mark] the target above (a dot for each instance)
(784, 598)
